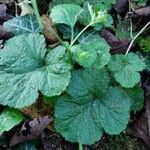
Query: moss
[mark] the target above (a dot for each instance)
(144, 44)
(121, 142)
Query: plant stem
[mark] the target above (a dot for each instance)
(72, 34)
(36, 11)
(43, 22)
(133, 40)
(79, 34)
(80, 147)
(59, 39)
(131, 28)
(131, 25)
(50, 29)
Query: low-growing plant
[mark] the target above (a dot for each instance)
(140, 3)
(95, 91)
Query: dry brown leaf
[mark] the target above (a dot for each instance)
(37, 110)
(31, 130)
(47, 32)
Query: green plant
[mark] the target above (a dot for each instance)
(144, 44)
(140, 2)
(88, 102)
(9, 118)
(126, 68)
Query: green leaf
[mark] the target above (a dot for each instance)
(9, 118)
(147, 62)
(56, 73)
(26, 146)
(65, 14)
(84, 55)
(66, 30)
(92, 52)
(106, 22)
(103, 55)
(144, 44)
(89, 36)
(126, 69)
(137, 98)
(101, 4)
(91, 108)
(50, 100)
(99, 8)
(57, 2)
(24, 70)
(140, 2)
(122, 30)
(22, 24)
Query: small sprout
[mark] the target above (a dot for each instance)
(101, 16)
(97, 18)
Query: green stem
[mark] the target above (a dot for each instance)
(80, 147)
(50, 29)
(131, 25)
(36, 11)
(41, 22)
(131, 28)
(133, 40)
(72, 34)
(79, 34)
(45, 23)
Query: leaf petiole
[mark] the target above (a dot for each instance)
(80, 34)
(59, 39)
(36, 11)
(80, 147)
(72, 34)
(133, 40)
(42, 22)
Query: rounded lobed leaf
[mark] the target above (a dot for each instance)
(126, 69)
(93, 51)
(24, 70)
(113, 111)
(91, 107)
(84, 55)
(65, 14)
(88, 82)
